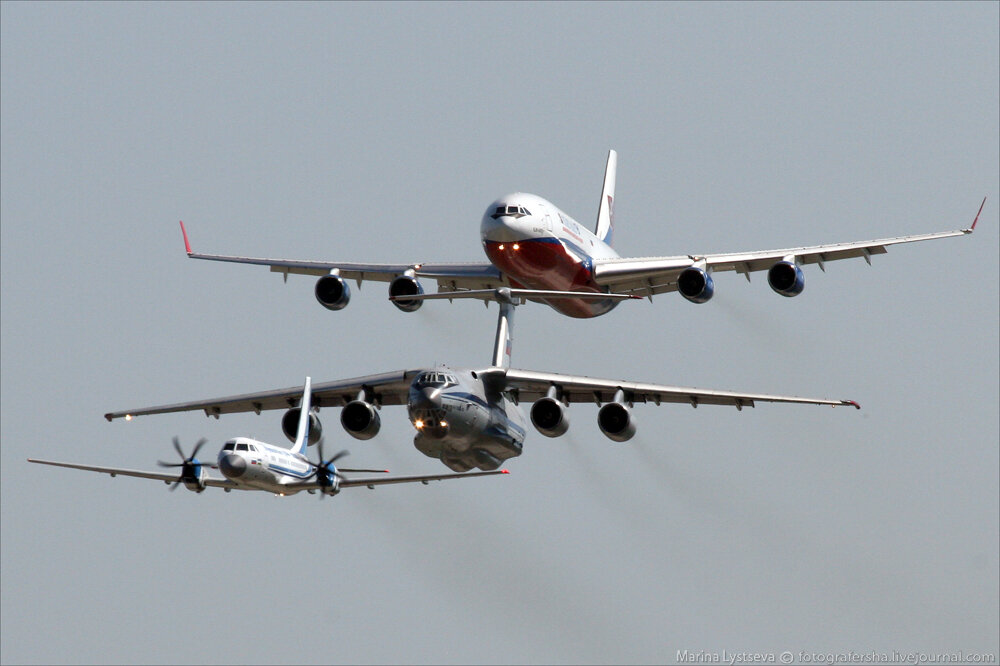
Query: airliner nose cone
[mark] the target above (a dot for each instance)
(232, 466)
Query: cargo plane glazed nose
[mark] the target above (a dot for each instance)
(232, 466)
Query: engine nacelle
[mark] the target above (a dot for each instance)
(786, 278)
(333, 292)
(290, 425)
(406, 285)
(616, 422)
(695, 284)
(549, 417)
(193, 476)
(360, 419)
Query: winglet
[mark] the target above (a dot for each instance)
(975, 221)
(504, 471)
(187, 244)
(852, 403)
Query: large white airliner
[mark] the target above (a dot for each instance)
(469, 417)
(248, 464)
(542, 253)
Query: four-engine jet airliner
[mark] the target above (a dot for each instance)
(542, 254)
(469, 417)
(248, 464)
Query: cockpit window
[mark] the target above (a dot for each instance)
(229, 446)
(241, 447)
(512, 211)
(439, 379)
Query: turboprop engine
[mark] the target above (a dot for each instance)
(616, 422)
(360, 419)
(290, 425)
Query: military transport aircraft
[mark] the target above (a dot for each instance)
(469, 417)
(541, 254)
(248, 464)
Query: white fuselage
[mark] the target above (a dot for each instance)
(256, 465)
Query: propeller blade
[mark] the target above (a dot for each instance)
(201, 443)
(177, 447)
(166, 464)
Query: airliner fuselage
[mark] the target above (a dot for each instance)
(539, 246)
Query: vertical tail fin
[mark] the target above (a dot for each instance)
(302, 436)
(606, 211)
(505, 325)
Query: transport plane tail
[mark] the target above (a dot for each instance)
(606, 211)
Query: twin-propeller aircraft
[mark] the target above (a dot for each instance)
(247, 464)
(469, 417)
(542, 254)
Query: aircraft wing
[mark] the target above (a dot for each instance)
(657, 275)
(381, 481)
(388, 388)
(158, 476)
(449, 276)
(528, 385)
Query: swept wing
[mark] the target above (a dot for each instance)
(389, 388)
(529, 385)
(647, 276)
(449, 276)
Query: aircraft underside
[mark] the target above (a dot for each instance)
(547, 263)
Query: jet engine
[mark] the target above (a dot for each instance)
(549, 417)
(786, 278)
(360, 419)
(290, 425)
(333, 292)
(695, 284)
(406, 285)
(616, 422)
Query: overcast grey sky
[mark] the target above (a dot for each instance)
(380, 132)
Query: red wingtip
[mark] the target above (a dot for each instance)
(853, 403)
(973, 227)
(505, 471)
(187, 244)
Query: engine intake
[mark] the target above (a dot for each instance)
(290, 425)
(360, 419)
(786, 278)
(549, 417)
(616, 422)
(406, 285)
(333, 292)
(695, 284)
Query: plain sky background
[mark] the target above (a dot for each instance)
(380, 132)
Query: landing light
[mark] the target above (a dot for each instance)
(501, 246)
(128, 417)
(418, 424)
(444, 424)
(516, 246)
